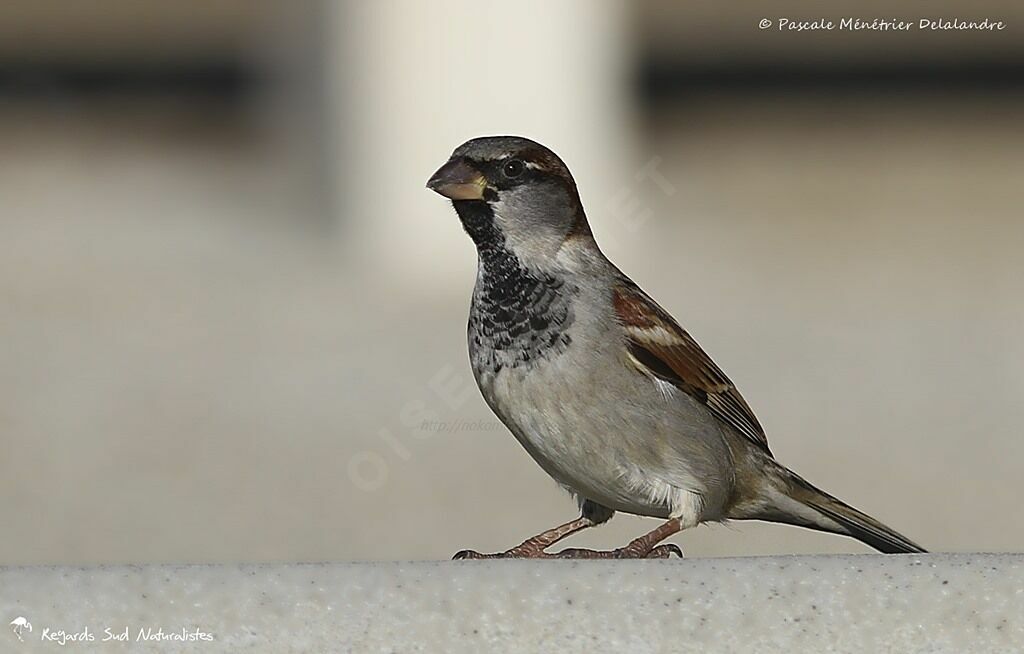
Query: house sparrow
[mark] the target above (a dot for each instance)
(602, 387)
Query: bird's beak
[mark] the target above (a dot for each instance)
(458, 180)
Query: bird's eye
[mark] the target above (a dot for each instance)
(513, 168)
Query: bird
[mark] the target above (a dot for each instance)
(598, 383)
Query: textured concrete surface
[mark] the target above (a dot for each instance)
(859, 603)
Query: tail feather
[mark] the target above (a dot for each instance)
(827, 513)
(866, 529)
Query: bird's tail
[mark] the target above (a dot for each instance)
(796, 501)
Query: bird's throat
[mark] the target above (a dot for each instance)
(477, 218)
(519, 314)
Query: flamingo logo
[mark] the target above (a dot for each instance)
(19, 625)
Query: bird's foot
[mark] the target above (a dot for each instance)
(533, 548)
(638, 548)
(630, 551)
(627, 552)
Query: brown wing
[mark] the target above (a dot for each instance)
(666, 351)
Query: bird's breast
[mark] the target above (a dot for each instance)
(519, 319)
(598, 427)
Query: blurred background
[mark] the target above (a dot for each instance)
(232, 319)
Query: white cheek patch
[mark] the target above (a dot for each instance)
(529, 232)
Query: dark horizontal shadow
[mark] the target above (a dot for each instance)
(220, 80)
(666, 81)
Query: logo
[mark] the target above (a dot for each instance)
(19, 625)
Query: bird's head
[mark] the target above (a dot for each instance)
(512, 191)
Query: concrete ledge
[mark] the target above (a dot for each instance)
(867, 603)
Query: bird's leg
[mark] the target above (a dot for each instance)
(644, 547)
(533, 548)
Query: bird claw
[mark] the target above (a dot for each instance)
(665, 552)
(465, 555)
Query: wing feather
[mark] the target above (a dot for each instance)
(667, 352)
